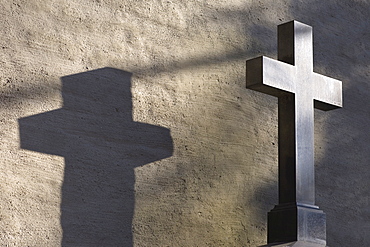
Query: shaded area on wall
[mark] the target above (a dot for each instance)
(338, 130)
(101, 144)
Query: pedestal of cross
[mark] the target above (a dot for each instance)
(299, 90)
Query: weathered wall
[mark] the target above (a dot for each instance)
(127, 123)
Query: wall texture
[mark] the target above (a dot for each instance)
(127, 123)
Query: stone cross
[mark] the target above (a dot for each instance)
(299, 90)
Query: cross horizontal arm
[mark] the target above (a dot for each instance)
(327, 92)
(269, 76)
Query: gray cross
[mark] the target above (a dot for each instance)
(299, 90)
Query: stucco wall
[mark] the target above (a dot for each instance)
(127, 123)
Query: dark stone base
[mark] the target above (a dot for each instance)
(296, 223)
(295, 244)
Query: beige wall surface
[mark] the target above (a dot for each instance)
(127, 123)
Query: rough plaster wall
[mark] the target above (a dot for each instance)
(127, 123)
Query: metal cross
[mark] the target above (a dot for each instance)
(299, 90)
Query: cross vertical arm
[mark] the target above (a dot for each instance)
(287, 149)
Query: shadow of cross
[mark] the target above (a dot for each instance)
(101, 144)
(299, 90)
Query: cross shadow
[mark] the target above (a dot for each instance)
(95, 133)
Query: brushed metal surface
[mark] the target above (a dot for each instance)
(299, 90)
